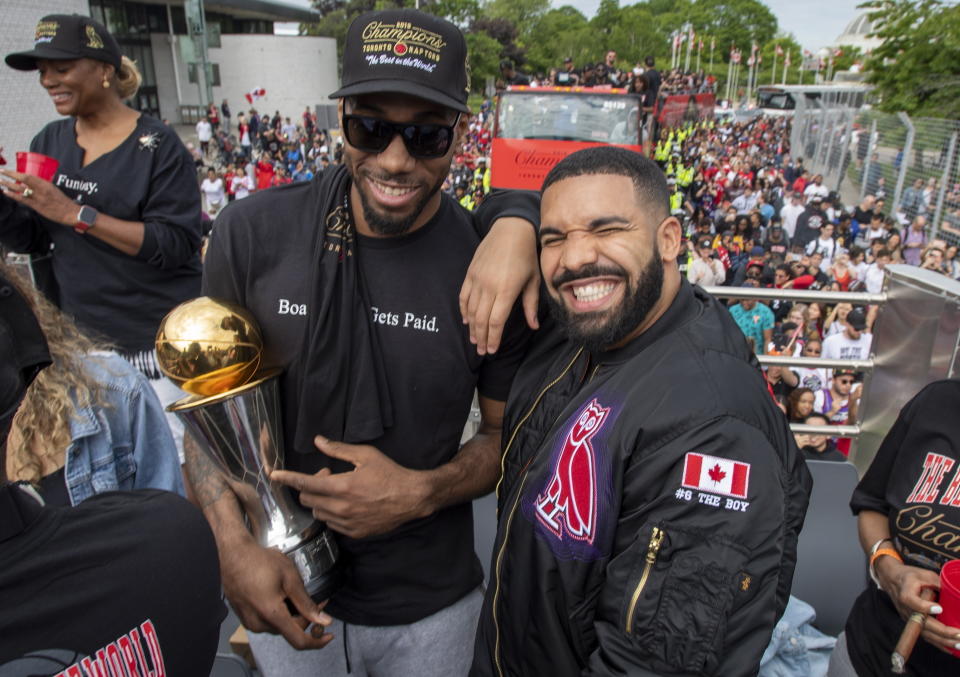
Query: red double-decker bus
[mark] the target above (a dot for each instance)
(536, 127)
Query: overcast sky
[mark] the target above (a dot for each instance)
(814, 23)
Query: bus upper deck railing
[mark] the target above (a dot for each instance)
(767, 294)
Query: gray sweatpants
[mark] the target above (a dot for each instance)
(440, 645)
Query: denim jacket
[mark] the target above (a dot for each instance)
(122, 446)
(797, 649)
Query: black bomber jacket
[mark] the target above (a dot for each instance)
(649, 508)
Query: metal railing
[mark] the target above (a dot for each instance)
(913, 164)
(823, 297)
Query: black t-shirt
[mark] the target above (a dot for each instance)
(259, 256)
(149, 178)
(130, 575)
(565, 77)
(781, 389)
(863, 217)
(915, 481)
(654, 81)
(808, 227)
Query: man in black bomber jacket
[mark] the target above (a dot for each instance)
(652, 493)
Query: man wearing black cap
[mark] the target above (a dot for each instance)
(776, 241)
(567, 76)
(358, 303)
(837, 401)
(853, 343)
(125, 583)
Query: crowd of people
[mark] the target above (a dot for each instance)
(387, 309)
(756, 216)
(273, 151)
(261, 152)
(642, 78)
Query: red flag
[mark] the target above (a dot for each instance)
(255, 94)
(713, 43)
(701, 44)
(786, 62)
(837, 52)
(750, 61)
(692, 35)
(778, 50)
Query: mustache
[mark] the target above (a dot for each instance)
(395, 179)
(591, 270)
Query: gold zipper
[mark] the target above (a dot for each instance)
(653, 548)
(513, 508)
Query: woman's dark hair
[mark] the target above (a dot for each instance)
(793, 402)
(743, 227)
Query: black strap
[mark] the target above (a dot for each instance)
(342, 386)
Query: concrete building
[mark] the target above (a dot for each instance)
(857, 34)
(245, 54)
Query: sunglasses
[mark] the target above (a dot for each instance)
(373, 135)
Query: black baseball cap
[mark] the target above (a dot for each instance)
(68, 36)
(408, 52)
(857, 318)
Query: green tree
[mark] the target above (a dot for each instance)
(917, 68)
(521, 13)
(569, 33)
(484, 57)
(737, 22)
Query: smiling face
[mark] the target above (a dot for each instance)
(603, 258)
(805, 404)
(75, 85)
(395, 191)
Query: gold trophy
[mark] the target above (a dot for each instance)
(212, 349)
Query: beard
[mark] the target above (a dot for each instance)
(600, 330)
(386, 224)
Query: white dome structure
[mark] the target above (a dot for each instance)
(856, 32)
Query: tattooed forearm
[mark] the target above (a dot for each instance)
(205, 478)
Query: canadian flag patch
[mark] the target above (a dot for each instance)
(716, 475)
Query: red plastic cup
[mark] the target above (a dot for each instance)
(37, 164)
(950, 596)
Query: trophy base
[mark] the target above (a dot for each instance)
(316, 561)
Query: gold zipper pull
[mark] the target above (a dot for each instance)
(656, 540)
(653, 549)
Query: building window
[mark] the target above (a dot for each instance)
(193, 69)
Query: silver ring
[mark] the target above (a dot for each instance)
(27, 192)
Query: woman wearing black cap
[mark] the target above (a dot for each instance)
(122, 213)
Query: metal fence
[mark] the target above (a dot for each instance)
(912, 163)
